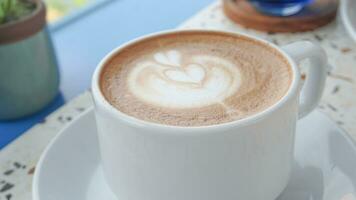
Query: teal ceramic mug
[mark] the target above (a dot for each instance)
(29, 75)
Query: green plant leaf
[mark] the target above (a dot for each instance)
(2, 14)
(11, 10)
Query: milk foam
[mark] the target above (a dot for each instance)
(176, 80)
(195, 78)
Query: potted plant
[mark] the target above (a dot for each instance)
(28, 69)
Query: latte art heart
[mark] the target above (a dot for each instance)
(174, 80)
(192, 73)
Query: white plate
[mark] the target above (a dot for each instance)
(324, 169)
(348, 16)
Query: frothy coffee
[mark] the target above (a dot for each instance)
(195, 78)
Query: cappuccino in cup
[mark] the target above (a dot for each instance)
(202, 115)
(195, 79)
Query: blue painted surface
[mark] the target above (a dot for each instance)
(81, 43)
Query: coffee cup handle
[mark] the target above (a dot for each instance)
(312, 90)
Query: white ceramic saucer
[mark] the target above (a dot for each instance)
(324, 168)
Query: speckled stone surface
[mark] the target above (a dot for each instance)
(18, 160)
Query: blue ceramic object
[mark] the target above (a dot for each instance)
(280, 7)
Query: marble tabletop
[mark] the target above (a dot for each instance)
(18, 160)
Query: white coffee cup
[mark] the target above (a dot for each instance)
(248, 159)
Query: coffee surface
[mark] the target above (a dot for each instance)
(195, 78)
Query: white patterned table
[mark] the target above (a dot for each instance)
(18, 160)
